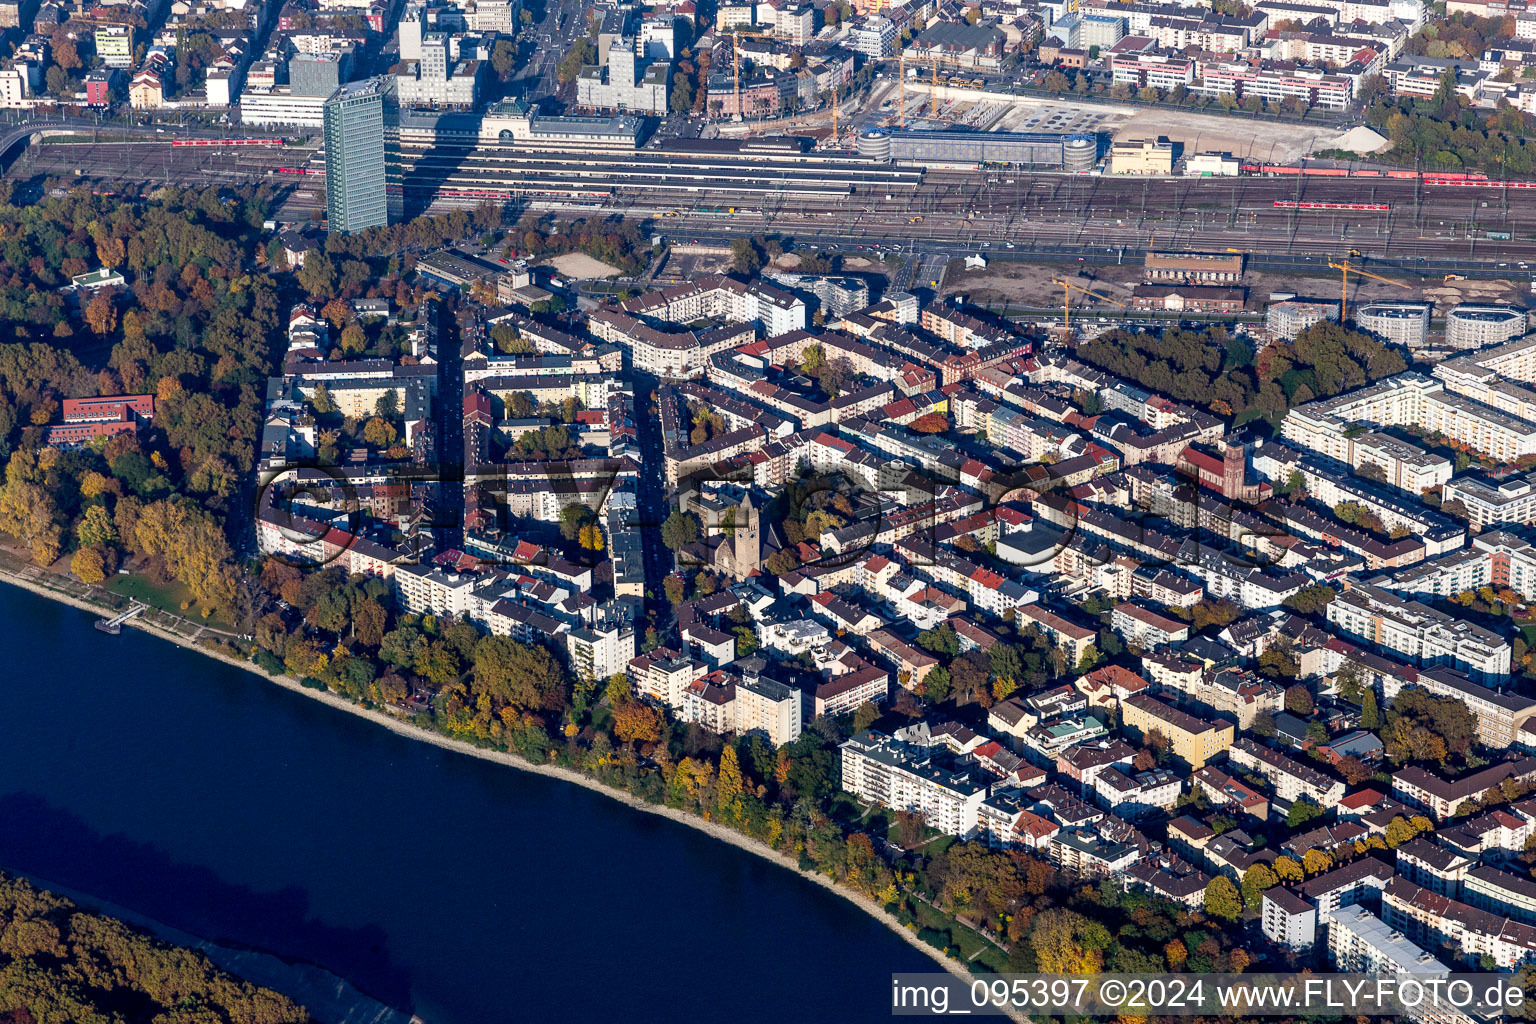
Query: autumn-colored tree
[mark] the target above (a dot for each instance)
(101, 314)
(1177, 954)
(1288, 871)
(728, 787)
(1063, 942)
(1315, 862)
(379, 432)
(636, 722)
(88, 565)
(592, 537)
(95, 527)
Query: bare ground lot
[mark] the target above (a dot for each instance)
(1268, 141)
(1030, 284)
(580, 266)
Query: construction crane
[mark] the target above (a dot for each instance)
(1345, 268)
(1067, 288)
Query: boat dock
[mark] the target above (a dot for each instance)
(114, 625)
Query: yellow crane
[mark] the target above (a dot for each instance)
(1067, 288)
(1345, 268)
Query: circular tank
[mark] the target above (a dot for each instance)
(1081, 153)
(875, 145)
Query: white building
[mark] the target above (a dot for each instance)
(1423, 635)
(907, 777)
(1472, 326)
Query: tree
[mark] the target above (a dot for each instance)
(388, 405)
(1055, 81)
(728, 784)
(745, 257)
(1370, 714)
(636, 722)
(936, 684)
(523, 675)
(1222, 899)
(679, 530)
(379, 432)
(88, 565)
(1301, 812)
(1255, 881)
(101, 314)
(1288, 871)
(1315, 862)
(592, 537)
(504, 59)
(1298, 700)
(1313, 600)
(1066, 942)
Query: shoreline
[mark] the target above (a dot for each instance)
(404, 728)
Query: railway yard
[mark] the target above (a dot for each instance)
(723, 188)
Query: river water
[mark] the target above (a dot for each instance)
(201, 796)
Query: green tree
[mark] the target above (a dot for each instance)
(679, 530)
(1222, 899)
(936, 684)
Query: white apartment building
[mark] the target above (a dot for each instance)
(1473, 326)
(768, 708)
(1360, 942)
(599, 650)
(425, 590)
(1290, 778)
(1402, 323)
(1419, 633)
(1489, 503)
(1287, 919)
(906, 777)
(1408, 399)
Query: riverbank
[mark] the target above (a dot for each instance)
(37, 583)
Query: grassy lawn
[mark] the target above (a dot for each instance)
(1529, 632)
(167, 597)
(969, 942)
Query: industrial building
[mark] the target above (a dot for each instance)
(958, 148)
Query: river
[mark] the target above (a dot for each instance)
(200, 796)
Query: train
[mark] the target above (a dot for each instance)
(1428, 177)
(227, 142)
(1291, 204)
(301, 170)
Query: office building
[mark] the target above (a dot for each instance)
(355, 193)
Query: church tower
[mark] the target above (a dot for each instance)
(747, 543)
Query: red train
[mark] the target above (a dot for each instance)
(1431, 177)
(1291, 204)
(226, 142)
(299, 170)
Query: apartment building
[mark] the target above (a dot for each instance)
(1359, 941)
(1443, 797)
(1412, 400)
(1435, 920)
(908, 777)
(1194, 740)
(1474, 326)
(1290, 778)
(1402, 323)
(1287, 919)
(1423, 635)
(1146, 629)
(1433, 866)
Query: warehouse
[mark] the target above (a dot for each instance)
(950, 149)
